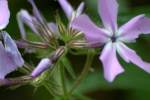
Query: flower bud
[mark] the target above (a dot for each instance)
(42, 66)
(78, 44)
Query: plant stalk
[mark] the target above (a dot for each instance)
(84, 72)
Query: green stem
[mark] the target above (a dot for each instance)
(65, 93)
(84, 72)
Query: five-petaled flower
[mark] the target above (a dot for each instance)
(113, 37)
(10, 58)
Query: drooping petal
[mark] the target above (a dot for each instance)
(23, 17)
(111, 66)
(4, 14)
(36, 12)
(6, 63)
(67, 8)
(108, 10)
(40, 22)
(12, 50)
(80, 9)
(136, 26)
(130, 55)
(41, 67)
(92, 33)
(10, 58)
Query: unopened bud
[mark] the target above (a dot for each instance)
(22, 44)
(78, 44)
(42, 66)
(57, 54)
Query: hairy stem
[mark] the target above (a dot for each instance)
(84, 72)
(64, 88)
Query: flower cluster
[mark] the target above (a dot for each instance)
(80, 33)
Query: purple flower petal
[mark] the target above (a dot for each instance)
(130, 55)
(36, 12)
(136, 26)
(10, 58)
(6, 63)
(80, 9)
(108, 10)
(93, 34)
(42, 66)
(24, 17)
(4, 14)
(66, 7)
(12, 50)
(112, 68)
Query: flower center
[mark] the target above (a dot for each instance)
(113, 38)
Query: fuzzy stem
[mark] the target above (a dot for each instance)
(84, 72)
(64, 88)
(15, 81)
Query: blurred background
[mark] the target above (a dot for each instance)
(134, 84)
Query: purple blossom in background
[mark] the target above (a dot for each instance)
(23, 17)
(10, 58)
(69, 11)
(4, 14)
(114, 38)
